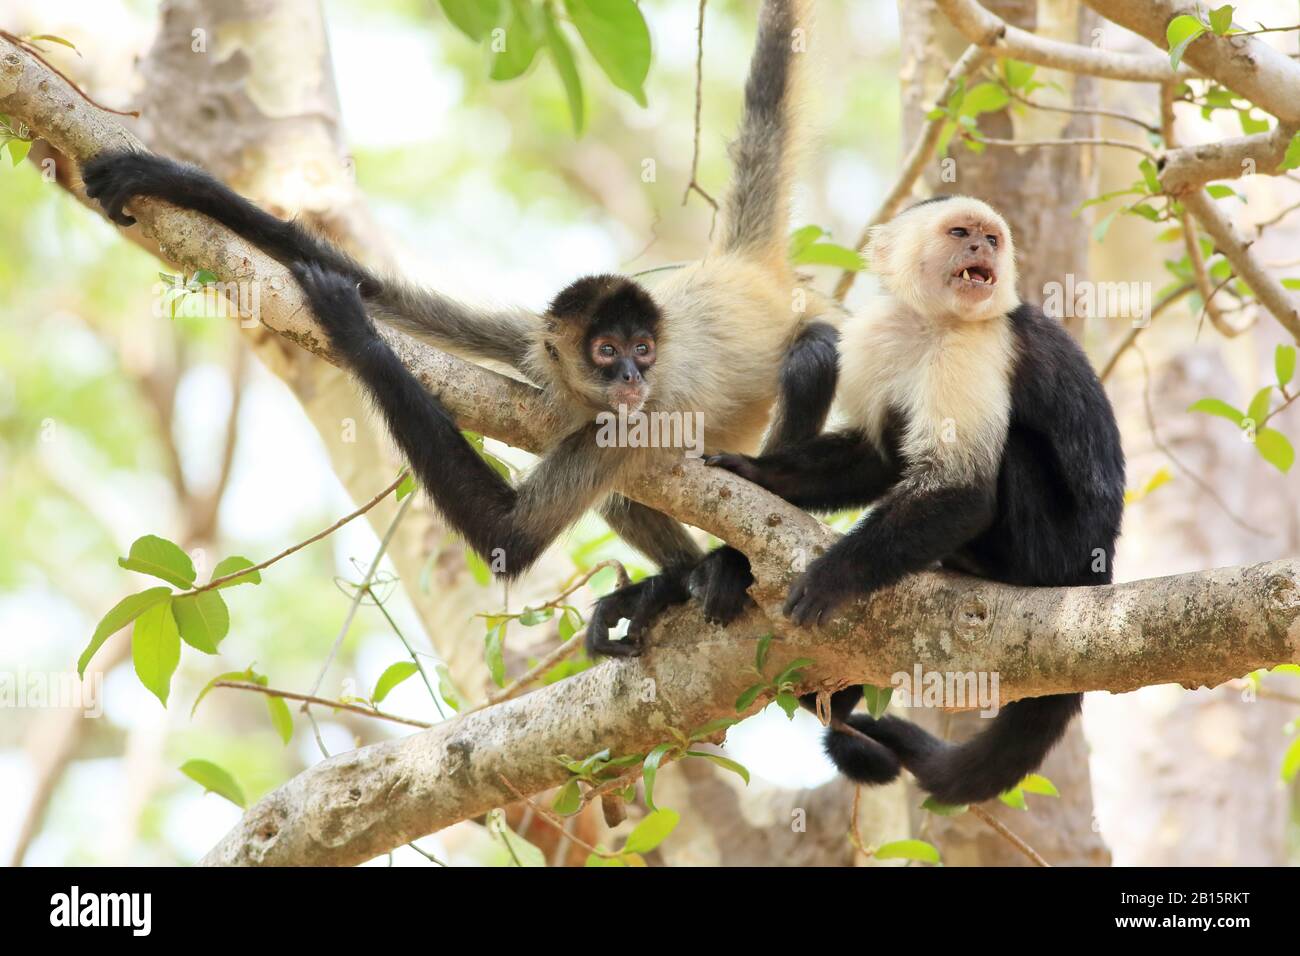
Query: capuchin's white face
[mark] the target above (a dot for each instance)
(952, 260)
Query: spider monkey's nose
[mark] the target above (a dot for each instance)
(628, 372)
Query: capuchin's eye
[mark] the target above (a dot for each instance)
(959, 232)
(993, 241)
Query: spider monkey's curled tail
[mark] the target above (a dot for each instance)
(990, 763)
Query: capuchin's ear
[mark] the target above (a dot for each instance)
(880, 243)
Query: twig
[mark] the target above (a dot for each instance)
(693, 185)
(1127, 342)
(415, 658)
(1082, 110)
(921, 153)
(19, 41)
(217, 582)
(324, 702)
(1073, 141)
(555, 821)
(564, 650)
(1208, 308)
(1007, 834)
(1168, 452)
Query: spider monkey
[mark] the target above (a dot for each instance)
(984, 441)
(720, 337)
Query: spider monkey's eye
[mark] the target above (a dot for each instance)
(642, 349)
(959, 232)
(993, 241)
(606, 350)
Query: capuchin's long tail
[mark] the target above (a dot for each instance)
(990, 763)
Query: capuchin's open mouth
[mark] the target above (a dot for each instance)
(974, 281)
(976, 276)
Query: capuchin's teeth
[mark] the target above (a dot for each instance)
(965, 274)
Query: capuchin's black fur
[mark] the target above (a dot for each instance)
(1052, 518)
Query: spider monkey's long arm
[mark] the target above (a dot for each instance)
(115, 178)
(508, 526)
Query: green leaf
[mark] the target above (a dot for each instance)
(1249, 124)
(725, 763)
(1213, 406)
(1291, 761)
(616, 34)
(1284, 363)
(746, 699)
(1275, 448)
(984, 98)
(1016, 73)
(651, 831)
(162, 559)
(203, 620)
(760, 653)
(1099, 231)
(1221, 192)
(792, 669)
(1292, 158)
(229, 566)
(1014, 798)
(651, 767)
(244, 675)
(478, 568)
(1149, 176)
(447, 687)
(876, 699)
(570, 622)
(521, 43)
(804, 237)
(1221, 19)
(391, 677)
(944, 809)
(406, 487)
(1181, 32)
(1291, 283)
(214, 779)
(1258, 409)
(566, 67)
(18, 149)
(712, 727)
(494, 653)
(830, 254)
(51, 38)
(1037, 783)
(156, 648)
(123, 613)
(917, 850)
(533, 616)
(474, 18)
(787, 702)
(594, 860)
(281, 718)
(569, 799)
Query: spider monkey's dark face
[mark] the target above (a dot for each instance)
(614, 322)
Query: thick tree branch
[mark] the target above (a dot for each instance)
(1244, 64)
(1193, 629)
(1191, 167)
(987, 29)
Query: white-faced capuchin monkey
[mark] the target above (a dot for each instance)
(984, 442)
(720, 338)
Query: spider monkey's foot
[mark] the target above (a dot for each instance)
(640, 604)
(721, 581)
(115, 178)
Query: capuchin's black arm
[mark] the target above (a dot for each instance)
(115, 178)
(509, 527)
